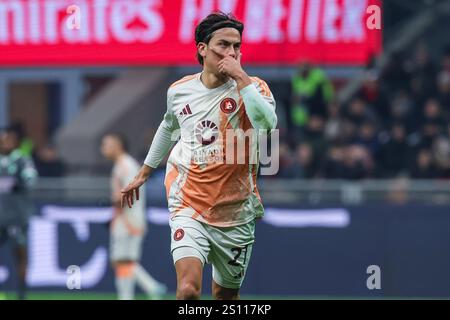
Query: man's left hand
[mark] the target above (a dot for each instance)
(232, 68)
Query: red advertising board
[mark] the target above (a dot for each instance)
(161, 32)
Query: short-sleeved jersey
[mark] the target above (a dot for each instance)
(124, 171)
(201, 181)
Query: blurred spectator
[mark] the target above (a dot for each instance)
(358, 112)
(441, 156)
(443, 95)
(393, 156)
(446, 60)
(432, 125)
(314, 134)
(304, 164)
(395, 76)
(422, 73)
(432, 112)
(333, 166)
(368, 137)
(423, 167)
(372, 93)
(349, 132)
(47, 162)
(335, 123)
(357, 163)
(311, 93)
(286, 161)
(402, 111)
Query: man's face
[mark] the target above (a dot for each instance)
(8, 142)
(398, 133)
(224, 42)
(110, 147)
(303, 69)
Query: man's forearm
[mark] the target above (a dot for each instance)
(242, 80)
(161, 144)
(260, 113)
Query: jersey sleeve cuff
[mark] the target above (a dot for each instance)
(249, 90)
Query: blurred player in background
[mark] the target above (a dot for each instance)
(17, 175)
(128, 226)
(213, 203)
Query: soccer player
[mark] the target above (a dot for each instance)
(17, 176)
(128, 226)
(213, 201)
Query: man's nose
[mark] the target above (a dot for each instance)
(232, 53)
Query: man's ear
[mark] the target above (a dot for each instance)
(201, 48)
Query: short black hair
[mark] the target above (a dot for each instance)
(16, 129)
(213, 22)
(119, 137)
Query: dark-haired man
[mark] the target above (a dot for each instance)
(213, 202)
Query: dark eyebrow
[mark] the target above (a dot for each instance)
(226, 42)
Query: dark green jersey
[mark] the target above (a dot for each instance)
(17, 176)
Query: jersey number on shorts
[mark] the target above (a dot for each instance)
(238, 251)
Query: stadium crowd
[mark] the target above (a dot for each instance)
(397, 125)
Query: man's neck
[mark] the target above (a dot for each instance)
(119, 157)
(211, 80)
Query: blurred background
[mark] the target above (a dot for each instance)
(364, 120)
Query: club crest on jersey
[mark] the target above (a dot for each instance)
(178, 235)
(206, 132)
(228, 105)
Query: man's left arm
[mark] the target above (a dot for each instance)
(259, 105)
(259, 102)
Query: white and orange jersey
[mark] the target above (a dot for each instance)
(124, 171)
(199, 182)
